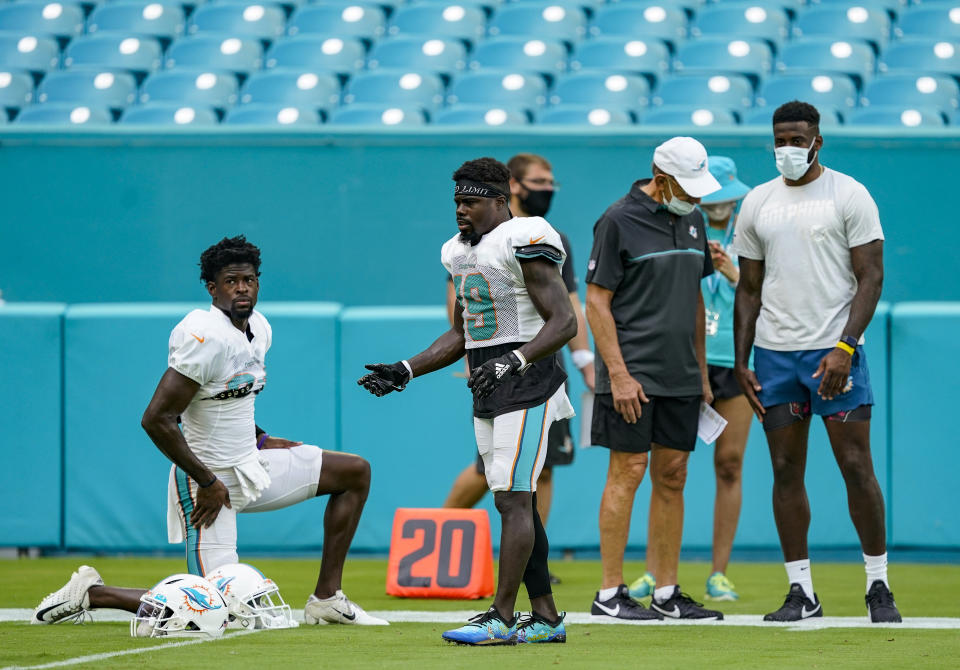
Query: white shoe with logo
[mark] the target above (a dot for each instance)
(70, 601)
(338, 609)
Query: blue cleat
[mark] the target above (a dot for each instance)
(643, 587)
(719, 588)
(485, 629)
(535, 628)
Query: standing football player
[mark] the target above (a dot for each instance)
(514, 316)
(223, 463)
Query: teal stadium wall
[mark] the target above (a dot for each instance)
(357, 219)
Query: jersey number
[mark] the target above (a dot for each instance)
(480, 316)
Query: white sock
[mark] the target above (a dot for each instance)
(662, 593)
(798, 572)
(607, 594)
(876, 567)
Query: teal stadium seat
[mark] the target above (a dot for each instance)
(165, 114)
(649, 57)
(711, 92)
(716, 55)
(598, 116)
(931, 20)
(820, 90)
(480, 115)
(315, 90)
(422, 54)
(906, 90)
(315, 53)
(742, 21)
(904, 117)
(892, 7)
(921, 55)
(852, 22)
(55, 19)
(637, 21)
(250, 21)
(195, 88)
(826, 55)
(378, 115)
(273, 115)
(59, 114)
(32, 53)
(524, 54)
(763, 116)
(440, 20)
(365, 22)
(216, 53)
(113, 90)
(115, 52)
(395, 88)
(513, 89)
(602, 89)
(138, 17)
(684, 115)
(541, 20)
(16, 90)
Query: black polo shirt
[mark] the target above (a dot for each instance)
(653, 262)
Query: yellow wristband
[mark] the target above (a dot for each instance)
(845, 347)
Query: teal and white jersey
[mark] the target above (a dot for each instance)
(489, 281)
(205, 346)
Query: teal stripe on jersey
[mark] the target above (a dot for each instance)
(194, 565)
(531, 436)
(637, 259)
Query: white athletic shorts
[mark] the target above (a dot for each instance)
(513, 446)
(294, 475)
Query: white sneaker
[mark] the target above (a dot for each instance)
(71, 601)
(338, 609)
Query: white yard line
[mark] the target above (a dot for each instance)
(460, 616)
(93, 658)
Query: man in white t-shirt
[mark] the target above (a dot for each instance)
(223, 463)
(811, 269)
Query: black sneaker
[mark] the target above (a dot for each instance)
(880, 604)
(796, 607)
(681, 606)
(622, 606)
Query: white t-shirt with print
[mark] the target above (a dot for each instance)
(218, 424)
(804, 235)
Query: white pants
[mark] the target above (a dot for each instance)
(294, 475)
(513, 446)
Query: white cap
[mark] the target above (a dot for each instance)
(685, 159)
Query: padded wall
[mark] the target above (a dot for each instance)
(31, 338)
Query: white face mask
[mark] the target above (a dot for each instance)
(676, 205)
(792, 161)
(719, 212)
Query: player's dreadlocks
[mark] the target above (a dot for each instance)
(795, 110)
(486, 171)
(226, 252)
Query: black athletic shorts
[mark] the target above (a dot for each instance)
(670, 422)
(559, 446)
(722, 382)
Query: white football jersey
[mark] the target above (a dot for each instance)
(489, 282)
(218, 423)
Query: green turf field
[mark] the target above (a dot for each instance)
(921, 591)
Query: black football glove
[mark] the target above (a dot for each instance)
(484, 379)
(385, 378)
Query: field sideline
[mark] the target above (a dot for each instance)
(921, 590)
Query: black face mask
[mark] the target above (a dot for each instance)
(536, 203)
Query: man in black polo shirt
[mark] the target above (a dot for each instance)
(646, 312)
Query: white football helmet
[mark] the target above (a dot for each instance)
(181, 606)
(253, 599)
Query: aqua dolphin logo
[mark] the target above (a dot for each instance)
(224, 582)
(199, 600)
(702, 165)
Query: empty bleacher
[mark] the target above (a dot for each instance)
(477, 62)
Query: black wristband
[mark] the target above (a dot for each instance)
(208, 484)
(849, 340)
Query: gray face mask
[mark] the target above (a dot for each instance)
(676, 205)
